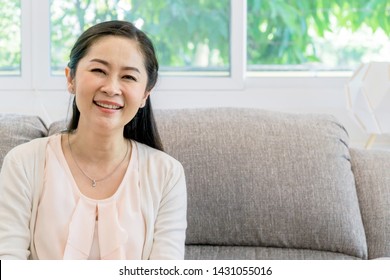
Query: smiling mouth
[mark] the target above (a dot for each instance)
(108, 106)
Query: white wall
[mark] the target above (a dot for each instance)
(321, 96)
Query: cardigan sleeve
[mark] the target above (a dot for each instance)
(171, 220)
(164, 204)
(15, 207)
(21, 179)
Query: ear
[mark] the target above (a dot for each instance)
(70, 80)
(146, 96)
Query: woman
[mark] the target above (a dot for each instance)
(104, 189)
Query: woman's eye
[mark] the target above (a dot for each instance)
(97, 70)
(129, 77)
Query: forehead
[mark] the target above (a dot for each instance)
(117, 48)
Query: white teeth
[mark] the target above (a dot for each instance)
(108, 106)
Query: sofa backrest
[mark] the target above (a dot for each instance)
(266, 179)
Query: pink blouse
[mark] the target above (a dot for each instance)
(66, 226)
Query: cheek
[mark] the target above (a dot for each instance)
(135, 94)
(87, 78)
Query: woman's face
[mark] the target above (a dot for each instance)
(109, 84)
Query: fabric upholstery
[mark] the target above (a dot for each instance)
(18, 129)
(266, 185)
(203, 252)
(266, 179)
(372, 174)
(56, 127)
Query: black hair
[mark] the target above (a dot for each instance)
(142, 127)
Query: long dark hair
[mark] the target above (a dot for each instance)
(142, 127)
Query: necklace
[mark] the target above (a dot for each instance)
(95, 181)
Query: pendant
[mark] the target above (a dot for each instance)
(93, 183)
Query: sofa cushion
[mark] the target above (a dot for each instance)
(207, 252)
(266, 179)
(18, 129)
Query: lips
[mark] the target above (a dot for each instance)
(108, 105)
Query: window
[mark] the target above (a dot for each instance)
(10, 38)
(191, 37)
(201, 44)
(314, 36)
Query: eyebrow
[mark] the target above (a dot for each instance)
(108, 64)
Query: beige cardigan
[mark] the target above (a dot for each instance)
(163, 200)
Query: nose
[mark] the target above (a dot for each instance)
(111, 87)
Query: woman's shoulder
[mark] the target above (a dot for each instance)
(29, 149)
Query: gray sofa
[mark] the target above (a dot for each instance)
(266, 185)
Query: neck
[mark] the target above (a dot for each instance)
(101, 161)
(98, 147)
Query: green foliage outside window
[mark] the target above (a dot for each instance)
(188, 34)
(194, 35)
(10, 47)
(282, 34)
(294, 32)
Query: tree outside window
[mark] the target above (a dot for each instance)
(190, 36)
(317, 35)
(10, 45)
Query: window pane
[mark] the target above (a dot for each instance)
(317, 35)
(191, 37)
(10, 47)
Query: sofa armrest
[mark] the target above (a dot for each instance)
(18, 129)
(372, 174)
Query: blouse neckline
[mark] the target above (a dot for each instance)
(132, 165)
